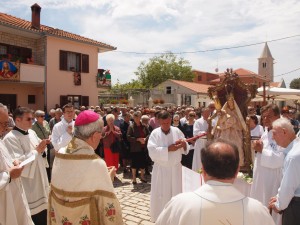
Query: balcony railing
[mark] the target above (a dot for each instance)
(32, 73)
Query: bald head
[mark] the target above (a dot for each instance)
(3, 118)
(220, 159)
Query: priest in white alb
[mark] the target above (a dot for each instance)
(23, 143)
(267, 170)
(200, 127)
(14, 208)
(217, 201)
(166, 145)
(81, 187)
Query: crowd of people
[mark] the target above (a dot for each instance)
(42, 153)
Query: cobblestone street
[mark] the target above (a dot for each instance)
(134, 199)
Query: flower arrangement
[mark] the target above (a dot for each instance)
(113, 101)
(246, 177)
(124, 101)
(156, 101)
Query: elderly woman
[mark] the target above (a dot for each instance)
(138, 135)
(187, 129)
(111, 134)
(42, 130)
(176, 122)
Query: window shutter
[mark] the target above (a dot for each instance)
(63, 60)
(85, 100)
(85, 63)
(63, 100)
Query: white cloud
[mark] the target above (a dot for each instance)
(179, 26)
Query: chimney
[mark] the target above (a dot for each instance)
(35, 16)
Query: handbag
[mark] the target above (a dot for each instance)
(116, 146)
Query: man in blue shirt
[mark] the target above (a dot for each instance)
(287, 201)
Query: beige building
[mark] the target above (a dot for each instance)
(176, 92)
(42, 66)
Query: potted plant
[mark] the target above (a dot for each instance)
(156, 101)
(162, 101)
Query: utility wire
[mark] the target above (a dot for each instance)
(287, 72)
(208, 50)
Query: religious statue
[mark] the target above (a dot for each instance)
(230, 125)
(231, 98)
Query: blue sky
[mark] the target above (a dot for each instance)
(150, 26)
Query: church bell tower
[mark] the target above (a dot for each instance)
(266, 64)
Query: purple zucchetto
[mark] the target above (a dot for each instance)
(86, 117)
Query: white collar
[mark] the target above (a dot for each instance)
(219, 192)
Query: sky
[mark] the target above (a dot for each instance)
(142, 29)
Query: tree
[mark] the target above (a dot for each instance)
(295, 83)
(163, 67)
(124, 88)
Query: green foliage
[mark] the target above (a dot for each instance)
(124, 88)
(163, 67)
(295, 83)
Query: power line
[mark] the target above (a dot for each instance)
(287, 72)
(208, 50)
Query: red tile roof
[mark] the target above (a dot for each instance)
(199, 88)
(275, 84)
(17, 23)
(245, 73)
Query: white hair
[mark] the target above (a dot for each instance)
(110, 116)
(39, 113)
(51, 111)
(176, 115)
(85, 131)
(145, 117)
(3, 107)
(283, 123)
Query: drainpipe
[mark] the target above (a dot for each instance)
(45, 73)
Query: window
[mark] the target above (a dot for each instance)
(14, 53)
(199, 78)
(3, 50)
(72, 61)
(168, 90)
(31, 99)
(264, 64)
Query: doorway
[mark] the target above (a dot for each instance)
(10, 100)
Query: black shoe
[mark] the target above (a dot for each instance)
(134, 182)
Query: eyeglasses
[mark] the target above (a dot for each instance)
(4, 124)
(192, 115)
(29, 119)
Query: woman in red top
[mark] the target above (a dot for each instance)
(110, 134)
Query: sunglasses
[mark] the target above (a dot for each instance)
(28, 119)
(192, 115)
(42, 116)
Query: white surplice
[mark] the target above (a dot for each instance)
(34, 176)
(14, 208)
(200, 127)
(267, 172)
(166, 173)
(214, 203)
(60, 138)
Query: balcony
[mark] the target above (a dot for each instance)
(30, 73)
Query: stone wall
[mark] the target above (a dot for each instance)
(37, 45)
